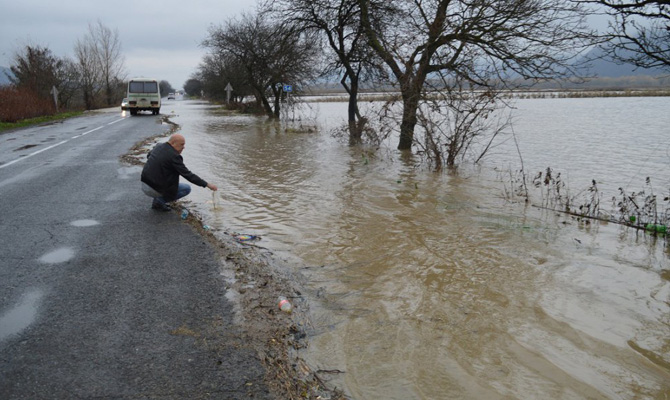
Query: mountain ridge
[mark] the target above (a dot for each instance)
(4, 71)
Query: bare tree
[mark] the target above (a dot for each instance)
(339, 22)
(69, 83)
(271, 54)
(193, 86)
(165, 87)
(101, 63)
(485, 42)
(216, 72)
(110, 58)
(639, 32)
(460, 121)
(37, 69)
(89, 71)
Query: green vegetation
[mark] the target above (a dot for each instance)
(645, 209)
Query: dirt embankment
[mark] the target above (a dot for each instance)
(255, 280)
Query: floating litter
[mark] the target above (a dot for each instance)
(285, 305)
(246, 238)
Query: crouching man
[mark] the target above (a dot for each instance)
(160, 175)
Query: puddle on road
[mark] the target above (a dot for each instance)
(58, 256)
(128, 172)
(21, 316)
(84, 222)
(26, 147)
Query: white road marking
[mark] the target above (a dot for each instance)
(113, 122)
(92, 130)
(57, 144)
(32, 154)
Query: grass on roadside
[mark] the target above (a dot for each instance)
(5, 126)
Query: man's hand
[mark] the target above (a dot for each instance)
(212, 187)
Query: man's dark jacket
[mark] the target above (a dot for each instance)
(162, 170)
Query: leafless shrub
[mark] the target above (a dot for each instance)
(18, 104)
(641, 210)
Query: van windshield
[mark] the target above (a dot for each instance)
(143, 87)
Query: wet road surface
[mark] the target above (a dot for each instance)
(100, 296)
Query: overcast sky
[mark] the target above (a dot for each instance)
(159, 39)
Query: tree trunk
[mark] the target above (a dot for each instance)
(109, 91)
(262, 100)
(267, 106)
(87, 100)
(451, 155)
(353, 99)
(277, 105)
(88, 97)
(409, 109)
(355, 131)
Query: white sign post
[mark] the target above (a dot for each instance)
(229, 89)
(54, 91)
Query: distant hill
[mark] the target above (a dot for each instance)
(605, 68)
(4, 71)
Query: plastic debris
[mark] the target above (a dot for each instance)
(215, 201)
(285, 305)
(246, 238)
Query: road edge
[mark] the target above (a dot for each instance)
(258, 280)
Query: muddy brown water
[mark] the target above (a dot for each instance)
(435, 286)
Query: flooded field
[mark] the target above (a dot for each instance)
(435, 286)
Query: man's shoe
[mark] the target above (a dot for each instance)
(160, 206)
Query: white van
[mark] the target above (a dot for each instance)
(144, 95)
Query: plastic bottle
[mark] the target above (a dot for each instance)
(285, 305)
(657, 227)
(215, 200)
(184, 213)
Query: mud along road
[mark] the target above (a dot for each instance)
(100, 296)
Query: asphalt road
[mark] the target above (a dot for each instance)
(100, 296)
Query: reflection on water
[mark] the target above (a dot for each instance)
(431, 286)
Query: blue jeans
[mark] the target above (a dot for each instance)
(183, 191)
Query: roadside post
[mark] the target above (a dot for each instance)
(288, 89)
(54, 91)
(229, 89)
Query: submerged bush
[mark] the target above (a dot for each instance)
(642, 209)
